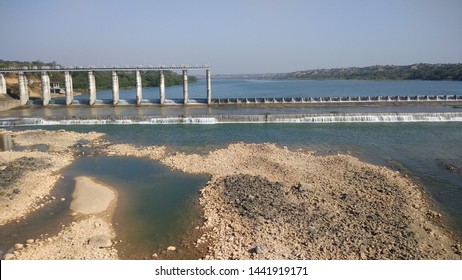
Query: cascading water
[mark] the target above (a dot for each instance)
(213, 119)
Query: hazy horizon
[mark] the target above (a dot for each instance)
(234, 37)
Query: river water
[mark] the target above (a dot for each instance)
(429, 152)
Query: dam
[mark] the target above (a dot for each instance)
(184, 99)
(69, 100)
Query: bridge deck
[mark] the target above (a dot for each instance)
(104, 68)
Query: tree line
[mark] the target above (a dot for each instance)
(421, 71)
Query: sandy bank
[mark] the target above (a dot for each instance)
(90, 197)
(27, 177)
(91, 234)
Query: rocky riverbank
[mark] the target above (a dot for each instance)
(263, 202)
(268, 202)
(28, 174)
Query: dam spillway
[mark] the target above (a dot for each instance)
(233, 118)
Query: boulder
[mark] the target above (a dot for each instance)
(100, 241)
(171, 248)
(258, 249)
(8, 256)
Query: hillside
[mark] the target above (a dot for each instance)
(436, 72)
(388, 72)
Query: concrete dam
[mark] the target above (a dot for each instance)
(69, 98)
(46, 99)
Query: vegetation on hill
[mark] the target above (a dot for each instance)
(388, 72)
(449, 72)
(103, 79)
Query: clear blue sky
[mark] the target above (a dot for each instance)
(234, 36)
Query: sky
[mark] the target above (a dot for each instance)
(234, 36)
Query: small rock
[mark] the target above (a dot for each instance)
(303, 187)
(63, 198)
(171, 248)
(154, 256)
(259, 249)
(18, 246)
(100, 241)
(30, 241)
(8, 256)
(3, 167)
(16, 191)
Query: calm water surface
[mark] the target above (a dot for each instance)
(294, 88)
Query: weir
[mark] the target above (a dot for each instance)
(220, 118)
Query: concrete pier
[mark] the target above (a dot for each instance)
(115, 88)
(2, 84)
(162, 87)
(69, 88)
(92, 87)
(139, 88)
(185, 86)
(91, 70)
(46, 95)
(209, 86)
(23, 88)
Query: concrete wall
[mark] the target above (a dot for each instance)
(92, 87)
(69, 87)
(2, 84)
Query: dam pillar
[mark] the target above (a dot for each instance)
(139, 88)
(23, 88)
(69, 88)
(46, 95)
(2, 84)
(185, 86)
(162, 87)
(115, 88)
(92, 87)
(209, 86)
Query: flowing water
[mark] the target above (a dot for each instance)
(429, 150)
